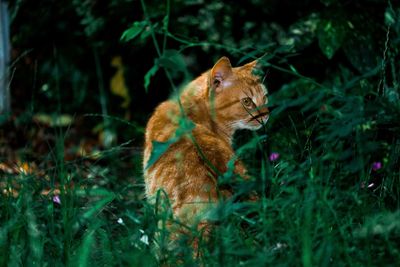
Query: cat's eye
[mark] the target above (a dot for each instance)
(247, 102)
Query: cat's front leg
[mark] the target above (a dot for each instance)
(242, 172)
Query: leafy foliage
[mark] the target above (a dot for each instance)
(329, 195)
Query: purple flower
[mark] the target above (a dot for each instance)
(376, 165)
(274, 156)
(56, 199)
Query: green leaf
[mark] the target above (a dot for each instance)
(292, 68)
(97, 207)
(304, 31)
(331, 36)
(150, 74)
(149, 29)
(390, 16)
(381, 224)
(133, 31)
(95, 192)
(35, 239)
(173, 61)
(165, 22)
(103, 198)
(83, 258)
(159, 148)
(361, 50)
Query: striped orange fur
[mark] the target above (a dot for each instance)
(218, 102)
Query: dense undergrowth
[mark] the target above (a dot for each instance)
(326, 168)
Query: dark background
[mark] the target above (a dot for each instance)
(55, 44)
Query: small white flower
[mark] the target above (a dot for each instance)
(120, 221)
(371, 185)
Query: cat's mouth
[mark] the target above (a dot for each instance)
(258, 116)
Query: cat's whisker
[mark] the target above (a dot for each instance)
(265, 76)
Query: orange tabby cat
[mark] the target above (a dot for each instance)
(219, 102)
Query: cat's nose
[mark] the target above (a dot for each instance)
(264, 112)
(260, 115)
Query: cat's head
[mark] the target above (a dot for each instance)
(237, 96)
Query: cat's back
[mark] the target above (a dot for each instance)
(161, 126)
(175, 169)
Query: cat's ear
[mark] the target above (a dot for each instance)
(251, 66)
(219, 73)
(254, 68)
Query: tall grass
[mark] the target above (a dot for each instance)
(307, 215)
(322, 202)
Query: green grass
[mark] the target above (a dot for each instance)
(312, 210)
(332, 198)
